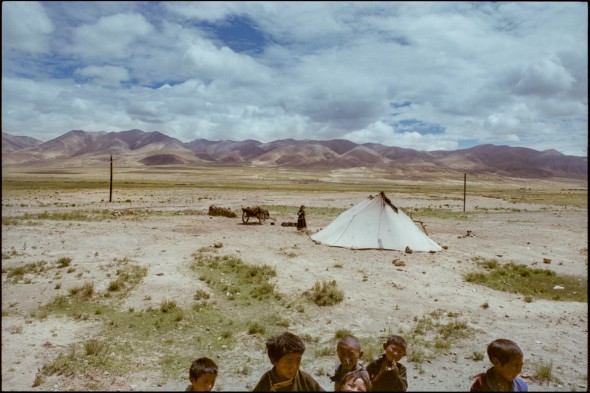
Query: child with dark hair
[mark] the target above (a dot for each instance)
(285, 352)
(507, 359)
(349, 353)
(355, 381)
(386, 372)
(202, 374)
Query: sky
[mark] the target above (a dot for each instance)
(421, 75)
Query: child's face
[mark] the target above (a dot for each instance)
(393, 352)
(288, 365)
(348, 356)
(204, 383)
(354, 385)
(509, 370)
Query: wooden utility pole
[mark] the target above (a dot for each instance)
(111, 184)
(464, 190)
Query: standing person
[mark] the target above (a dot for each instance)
(507, 359)
(386, 372)
(202, 374)
(301, 224)
(285, 352)
(349, 354)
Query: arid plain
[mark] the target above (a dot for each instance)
(60, 228)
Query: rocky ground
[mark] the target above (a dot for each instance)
(379, 296)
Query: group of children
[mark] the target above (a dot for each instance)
(384, 374)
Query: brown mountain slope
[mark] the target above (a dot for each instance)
(136, 147)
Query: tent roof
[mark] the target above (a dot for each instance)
(375, 223)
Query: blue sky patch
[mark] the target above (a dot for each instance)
(467, 143)
(418, 126)
(238, 33)
(400, 104)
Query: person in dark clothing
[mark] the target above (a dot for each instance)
(349, 353)
(386, 372)
(285, 352)
(301, 224)
(507, 359)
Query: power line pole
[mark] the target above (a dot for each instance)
(464, 190)
(111, 183)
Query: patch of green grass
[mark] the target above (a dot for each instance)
(168, 306)
(435, 332)
(311, 211)
(237, 280)
(371, 347)
(164, 333)
(341, 333)
(477, 356)
(325, 351)
(544, 372)
(532, 283)
(256, 328)
(17, 274)
(84, 292)
(445, 214)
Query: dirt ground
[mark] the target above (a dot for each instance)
(389, 297)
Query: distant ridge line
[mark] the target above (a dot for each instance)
(137, 147)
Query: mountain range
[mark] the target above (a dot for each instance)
(137, 147)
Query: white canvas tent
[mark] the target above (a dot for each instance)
(375, 223)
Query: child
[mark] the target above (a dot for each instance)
(202, 374)
(349, 353)
(507, 359)
(355, 381)
(285, 352)
(386, 372)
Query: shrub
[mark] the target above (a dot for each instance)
(256, 328)
(84, 292)
(325, 293)
(64, 262)
(168, 306)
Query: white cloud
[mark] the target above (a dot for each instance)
(546, 78)
(111, 36)
(106, 75)
(25, 27)
(488, 72)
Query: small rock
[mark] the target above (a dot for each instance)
(409, 250)
(546, 260)
(558, 287)
(218, 244)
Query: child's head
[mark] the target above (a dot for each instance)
(285, 352)
(507, 358)
(395, 348)
(355, 381)
(349, 352)
(202, 375)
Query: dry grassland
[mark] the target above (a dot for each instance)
(123, 295)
